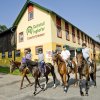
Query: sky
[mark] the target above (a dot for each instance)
(84, 14)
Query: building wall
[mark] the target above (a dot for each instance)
(46, 37)
(40, 16)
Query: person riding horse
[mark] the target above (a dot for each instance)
(27, 60)
(65, 54)
(41, 62)
(86, 54)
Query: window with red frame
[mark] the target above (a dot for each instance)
(58, 24)
(67, 31)
(85, 39)
(78, 36)
(82, 37)
(88, 42)
(73, 34)
(30, 12)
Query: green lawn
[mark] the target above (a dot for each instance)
(6, 70)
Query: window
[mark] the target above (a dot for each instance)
(78, 36)
(10, 54)
(59, 48)
(85, 39)
(17, 53)
(73, 34)
(37, 49)
(88, 42)
(67, 31)
(82, 36)
(58, 24)
(21, 37)
(30, 12)
(3, 54)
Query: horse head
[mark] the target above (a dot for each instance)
(79, 58)
(13, 65)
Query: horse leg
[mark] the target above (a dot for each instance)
(62, 80)
(28, 79)
(39, 84)
(65, 83)
(35, 86)
(54, 77)
(22, 81)
(46, 81)
(87, 86)
(80, 86)
(93, 77)
(76, 83)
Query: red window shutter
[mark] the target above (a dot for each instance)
(78, 35)
(66, 27)
(73, 30)
(58, 21)
(30, 8)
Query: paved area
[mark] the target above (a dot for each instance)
(9, 90)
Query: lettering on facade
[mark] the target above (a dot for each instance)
(35, 36)
(35, 30)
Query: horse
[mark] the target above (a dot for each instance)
(62, 70)
(15, 65)
(73, 70)
(93, 72)
(83, 70)
(34, 70)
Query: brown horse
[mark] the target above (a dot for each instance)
(35, 73)
(93, 72)
(73, 70)
(62, 69)
(15, 65)
(83, 70)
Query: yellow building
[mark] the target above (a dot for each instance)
(38, 27)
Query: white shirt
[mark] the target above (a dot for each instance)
(85, 52)
(40, 57)
(65, 54)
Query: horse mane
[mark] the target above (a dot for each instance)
(60, 58)
(17, 63)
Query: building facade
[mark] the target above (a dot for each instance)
(38, 27)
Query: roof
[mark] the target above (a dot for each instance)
(11, 29)
(48, 10)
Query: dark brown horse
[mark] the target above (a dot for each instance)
(83, 70)
(93, 72)
(62, 69)
(34, 70)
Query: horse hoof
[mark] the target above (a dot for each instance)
(95, 86)
(54, 86)
(20, 88)
(86, 94)
(34, 93)
(82, 94)
(65, 91)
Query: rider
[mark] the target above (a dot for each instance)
(65, 54)
(27, 59)
(41, 61)
(86, 54)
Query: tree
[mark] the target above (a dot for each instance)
(98, 36)
(3, 28)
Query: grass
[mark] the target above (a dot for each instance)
(6, 70)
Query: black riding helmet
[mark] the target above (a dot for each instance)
(83, 44)
(66, 46)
